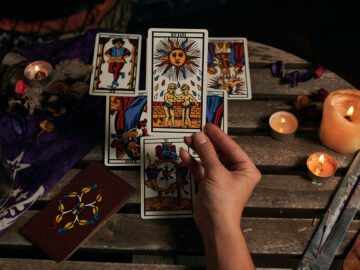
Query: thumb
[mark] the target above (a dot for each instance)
(206, 152)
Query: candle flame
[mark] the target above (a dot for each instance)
(350, 111)
(283, 121)
(321, 159)
(37, 68)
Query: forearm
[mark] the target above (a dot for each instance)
(227, 250)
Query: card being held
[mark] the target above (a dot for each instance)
(217, 109)
(176, 80)
(126, 122)
(167, 188)
(228, 67)
(116, 65)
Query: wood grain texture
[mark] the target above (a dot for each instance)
(24, 264)
(27, 264)
(278, 155)
(264, 85)
(261, 55)
(269, 153)
(273, 191)
(264, 235)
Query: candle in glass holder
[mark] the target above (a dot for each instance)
(340, 125)
(38, 72)
(321, 166)
(283, 125)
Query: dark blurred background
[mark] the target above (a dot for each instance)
(321, 32)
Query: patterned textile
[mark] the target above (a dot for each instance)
(38, 162)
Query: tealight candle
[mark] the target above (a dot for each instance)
(321, 166)
(283, 125)
(37, 72)
(340, 125)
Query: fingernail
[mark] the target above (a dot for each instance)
(181, 149)
(199, 138)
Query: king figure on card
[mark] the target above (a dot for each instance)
(117, 58)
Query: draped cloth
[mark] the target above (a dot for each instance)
(39, 161)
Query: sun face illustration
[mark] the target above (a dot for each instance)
(177, 59)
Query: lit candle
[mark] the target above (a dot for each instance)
(340, 125)
(283, 125)
(37, 72)
(321, 166)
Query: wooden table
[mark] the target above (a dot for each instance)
(279, 219)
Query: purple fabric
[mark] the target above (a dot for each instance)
(38, 162)
(81, 47)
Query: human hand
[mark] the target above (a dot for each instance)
(226, 179)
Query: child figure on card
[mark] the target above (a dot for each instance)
(186, 99)
(169, 98)
(117, 58)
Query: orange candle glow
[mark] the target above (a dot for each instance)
(283, 125)
(340, 126)
(321, 166)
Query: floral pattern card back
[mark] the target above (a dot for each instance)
(78, 211)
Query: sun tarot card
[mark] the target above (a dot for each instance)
(167, 188)
(176, 80)
(126, 122)
(116, 65)
(228, 67)
(217, 108)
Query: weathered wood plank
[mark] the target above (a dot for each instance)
(269, 153)
(24, 264)
(272, 154)
(262, 55)
(253, 115)
(273, 191)
(264, 85)
(153, 259)
(132, 234)
(28, 264)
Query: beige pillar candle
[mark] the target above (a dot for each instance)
(340, 125)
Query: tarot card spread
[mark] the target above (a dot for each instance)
(116, 65)
(167, 188)
(126, 122)
(228, 67)
(176, 80)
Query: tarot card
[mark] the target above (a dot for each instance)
(176, 80)
(167, 188)
(125, 122)
(228, 67)
(217, 108)
(116, 65)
